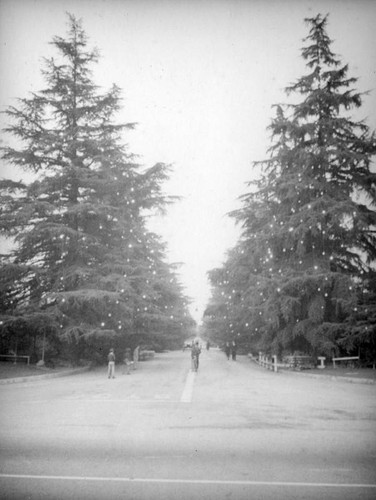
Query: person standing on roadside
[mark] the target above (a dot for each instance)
(233, 351)
(111, 364)
(228, 350)
(127, 361)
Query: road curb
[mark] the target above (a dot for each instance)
(333, 378)
(36, 378)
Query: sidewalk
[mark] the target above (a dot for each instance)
(11, 374)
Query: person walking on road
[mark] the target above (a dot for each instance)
(111, 364)
(228, 350)
(195, 354)
(233, 351)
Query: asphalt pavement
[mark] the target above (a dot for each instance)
(233, 430)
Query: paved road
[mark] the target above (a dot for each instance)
(231, 431)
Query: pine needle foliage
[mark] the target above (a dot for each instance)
(308, 244)
(83, 254)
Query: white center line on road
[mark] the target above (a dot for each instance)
(189, 481)
(186, 396)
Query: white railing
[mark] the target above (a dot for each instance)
(295, 362)
(348, 358)
(14, 357)
(269, 364)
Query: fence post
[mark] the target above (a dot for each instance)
(322, 364)
(275, 367)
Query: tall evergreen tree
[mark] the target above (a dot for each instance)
(83, 256)
(308, 242)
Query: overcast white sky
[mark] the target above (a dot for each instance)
(200, 78)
